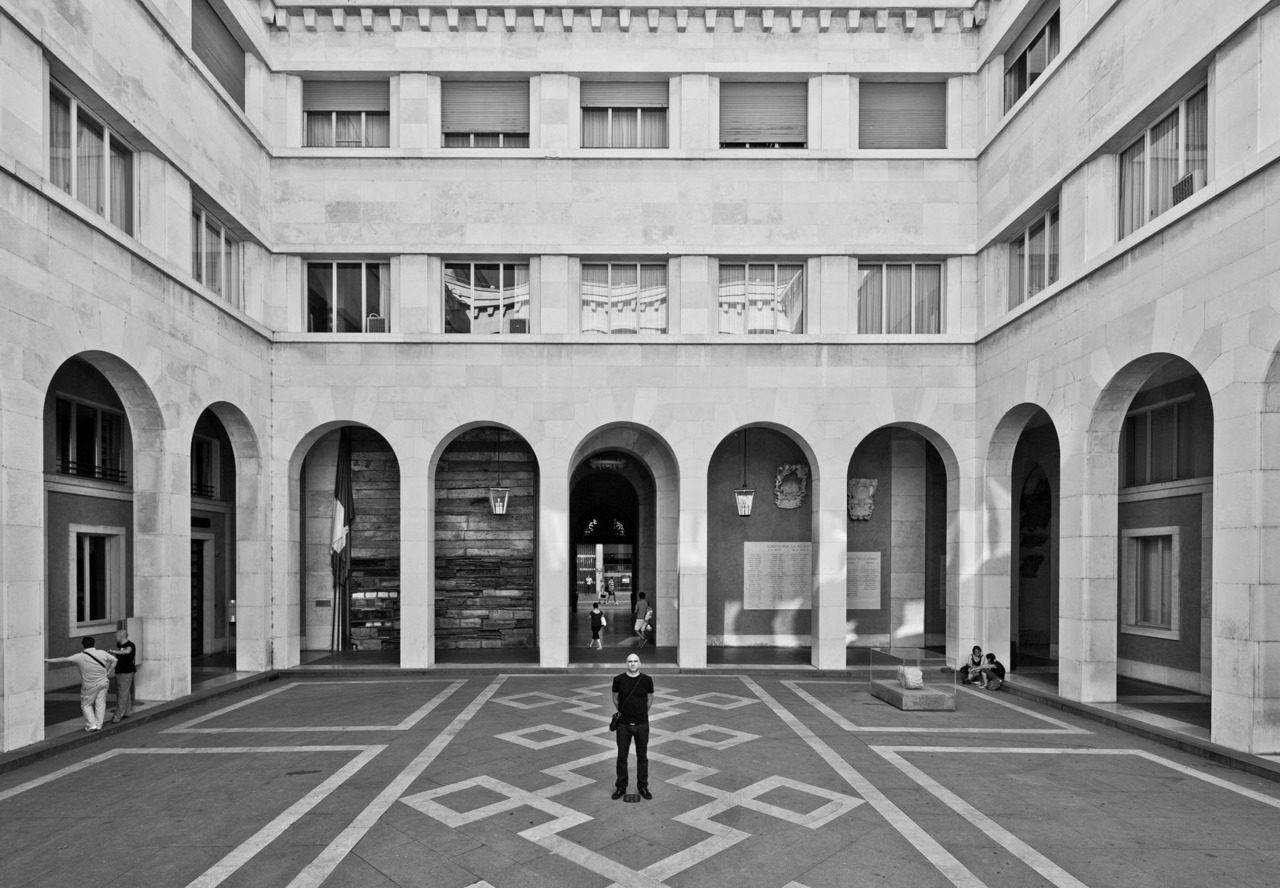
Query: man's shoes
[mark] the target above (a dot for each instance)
(617, 794)
(646, 795)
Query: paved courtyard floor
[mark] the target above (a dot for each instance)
(501, 780)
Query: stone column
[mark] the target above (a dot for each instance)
(23, 97)
(553, 565)
(906, 569)
(417, 556)
(692, 645)
(253, 565)
(284, 616)
(165, 209)
(965, 618)
(699, 121)
(829, 612)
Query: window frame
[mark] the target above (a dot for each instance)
(209, 489)
(79, 535)
(914, 264)
(1148, 213)
(118, 474)
(365, 314)
(333, 129)
(638, 265)
(1050, 223)
(1052, 31)
(1130, 566)
(1145, 413)
(503, 265)
(229, 258)
(111, 140)
(639, 112)
(747, 265)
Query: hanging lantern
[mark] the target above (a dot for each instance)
(744, 496)
(498, 497)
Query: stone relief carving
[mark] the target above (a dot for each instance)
(790, 487)
(861, 491)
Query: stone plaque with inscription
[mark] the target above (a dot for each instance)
(777, 576)
(862, 580)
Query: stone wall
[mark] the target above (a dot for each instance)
(375, 549)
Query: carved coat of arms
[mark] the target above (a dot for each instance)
(861, 491)
(790, 487)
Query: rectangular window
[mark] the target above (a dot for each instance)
(486, 297)
(1033, 258)
(1149, 580)
(348, 297)
(899, 297)
(215, 255)
(485, 114)
(204, 467)
(624, 297)
(764, 115)
(1157, 444)
(1167, 164)
(96, 574)
(88, 441)
(89, 161)
(902, 115)
(1030, 54)
(761, 298)
(624, 115)
(347, 113)
(215, 45)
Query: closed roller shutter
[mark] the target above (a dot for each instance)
(902, 115)
(214, 45)
(624, 95)
(764, 112)
(346, 95)
(485, 107)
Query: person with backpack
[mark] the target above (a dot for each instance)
(95, 671)
(598, 622)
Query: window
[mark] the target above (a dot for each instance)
(764, 115)
(96, 571)
(1031, 54)
(624, 115)
(89, 161)
(1159, 443)
(761, 298)
(1167, 163)
(485, 114)
(204, 467)
(348, 297)
(486, 297)
(1149, 581)
(1033, 258)
(902, 115)
(88, 441)
(624, 297)
(214, 44)
(899, 297)
(347, 113)
(215, 255)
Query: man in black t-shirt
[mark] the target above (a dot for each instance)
(125, 653)
(632, 697)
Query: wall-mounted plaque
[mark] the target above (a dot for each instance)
(861, 504)
(777, 576)
(790, 486)
(862, 580)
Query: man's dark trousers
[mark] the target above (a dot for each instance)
(641, 734)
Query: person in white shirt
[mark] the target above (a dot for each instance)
(95, 670)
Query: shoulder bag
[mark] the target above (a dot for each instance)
(613, 722)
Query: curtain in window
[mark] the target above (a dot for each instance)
(60, 141)
(347, 132)
(1036, 266)
(731, 299)
(1052, 248)
(319, 297)
(121, 187)
(870, 299)
(595, 127)
(624, 292)
(213, 257)
(1164, 444)
(86, 440)
(486, 140)
(1198, 132)
(626, 128)
(1164, 163)
(1017, 271)
(377, 130)
(457, 298)
(515, 298)
(349, 308)
(1155, 581)
(89, 165)
(1132, 182)
(928, 309)
(319, 130)
(790, 303)
(653, 128)
(196, 264)
(457, 140)
(897, 298)
(231, 287)
(377, 290)
(761, 295)
(653, 299)
(594, 305)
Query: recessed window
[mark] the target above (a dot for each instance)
(486, 297)
(88, 441)
(624, 115)
(902, 115)
(89, 161)
(215, 45)
(899, 297)
(624, 297)
(204, 467)
(347, 113)
(759, 298)
(348, 297)
(1029, 55)
(1149, 582)
(1158, 443)
(764, 115)
(215, 255)
(1033, 258)
(1167, 164)
(96, 569)
(485, 114)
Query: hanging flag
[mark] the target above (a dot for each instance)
(344, 514)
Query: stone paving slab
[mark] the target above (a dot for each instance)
(758, 780)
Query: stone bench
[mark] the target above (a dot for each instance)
(925, 699)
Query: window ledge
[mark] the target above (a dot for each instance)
(59, 483)
(1151, 632)
(1165, 489)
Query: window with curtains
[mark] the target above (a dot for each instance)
(348, 297)
(1149, 568)
(899, 297)
(215, 255)
(485, 114)
(347, 113)
(96, 572)
(1167, 163)
(89, 161)
(486, 297)
(624, 297)
(1029, 55)
(88, 441)
(1157, 443)
(1033, 258)
(902, 115)
(764, 115)
(624, 115)
(761, 297)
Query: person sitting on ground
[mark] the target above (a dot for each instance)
(969, 669)
(991, 674)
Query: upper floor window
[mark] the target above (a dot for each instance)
(1158, 443)
(486, 297)
(1167, 164)
(215, 45)
(624, 115)
(1033, 258)
(348, 297)
(88, 441)
(899, 297)
(485, 114)
(1030, 54)
(215, 255)
(761, 298)
(204, 467)
(89, 161)
(902, 115)
(347, 113)
(764, 115)
(624, 297)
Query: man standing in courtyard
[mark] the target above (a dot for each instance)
(125, 652)
(95, 667)
(632, 697)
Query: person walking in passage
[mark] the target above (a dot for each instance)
(632, 698)
(95, 669)
(125, 653)
(598, 622)
(643, 614)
